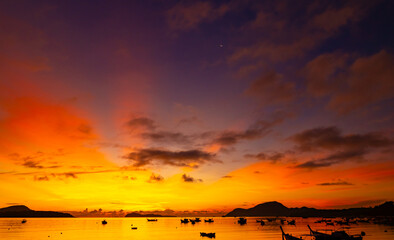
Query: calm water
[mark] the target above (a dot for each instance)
(165, 228)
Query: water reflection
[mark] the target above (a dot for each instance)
(170, 228)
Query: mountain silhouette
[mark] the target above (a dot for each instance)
(278, 209)
(25, 212)
(134, 214)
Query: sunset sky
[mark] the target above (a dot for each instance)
(196, 105)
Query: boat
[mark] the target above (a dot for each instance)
(319, 235)
(242, 221)
(209, 235)
(152, 220)
(342, 235)
(262, 223)
(134, 228)
(104, 222)
(197, 220)
(210, 220)
(24, 221)
(292, 222)
(286, 236)
(192, 221)
(336, 235)
(185, 220)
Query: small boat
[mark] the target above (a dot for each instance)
(24, 221)
(336, 235)
(242, 221)
(192, 221)
(319, 235)
(292, 222)
(210, 220)
(152, 220)
(104, 222)
(262, 223)
(197, 220)
(286, 236)
(259, 220)
(209, 235)
(185, 220)
(134, 228)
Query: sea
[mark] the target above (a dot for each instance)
(172, 229)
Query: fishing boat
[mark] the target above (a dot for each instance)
(336, 235)
(210, 220)
(342, 235)
(286, 236)
(320, 235)
(242, 221)
(134, 228)
(152, 220)
(185, 220)
(24, 221)
(104, 222)
(197, 220)
(209, 235)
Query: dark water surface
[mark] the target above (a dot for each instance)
(167, 228)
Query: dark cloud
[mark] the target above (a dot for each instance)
(35, 160)
(185, 16)
(227, 176)
(36, 164)
(368, 80)
(255, 131)
(331, 138)
(337, 183)
(189, 158)
(141, 122)
(290, 39)
(334, 158)
(273, 157)
(351, 84)
(166, 136)
(341, 147)
(271, 89)
(155, 178)
(321, 74)
(187, 178)
(41, 178)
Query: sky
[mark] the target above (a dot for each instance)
(196, 105)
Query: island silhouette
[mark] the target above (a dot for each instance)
(278, 209)
(25, 212)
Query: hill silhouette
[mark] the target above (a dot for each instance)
(278, 209)
(25, 212)
(135, 214)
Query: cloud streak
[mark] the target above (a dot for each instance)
(189, 158)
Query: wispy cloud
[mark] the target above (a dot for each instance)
(337, 183)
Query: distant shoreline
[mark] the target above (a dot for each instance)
(268, 209)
